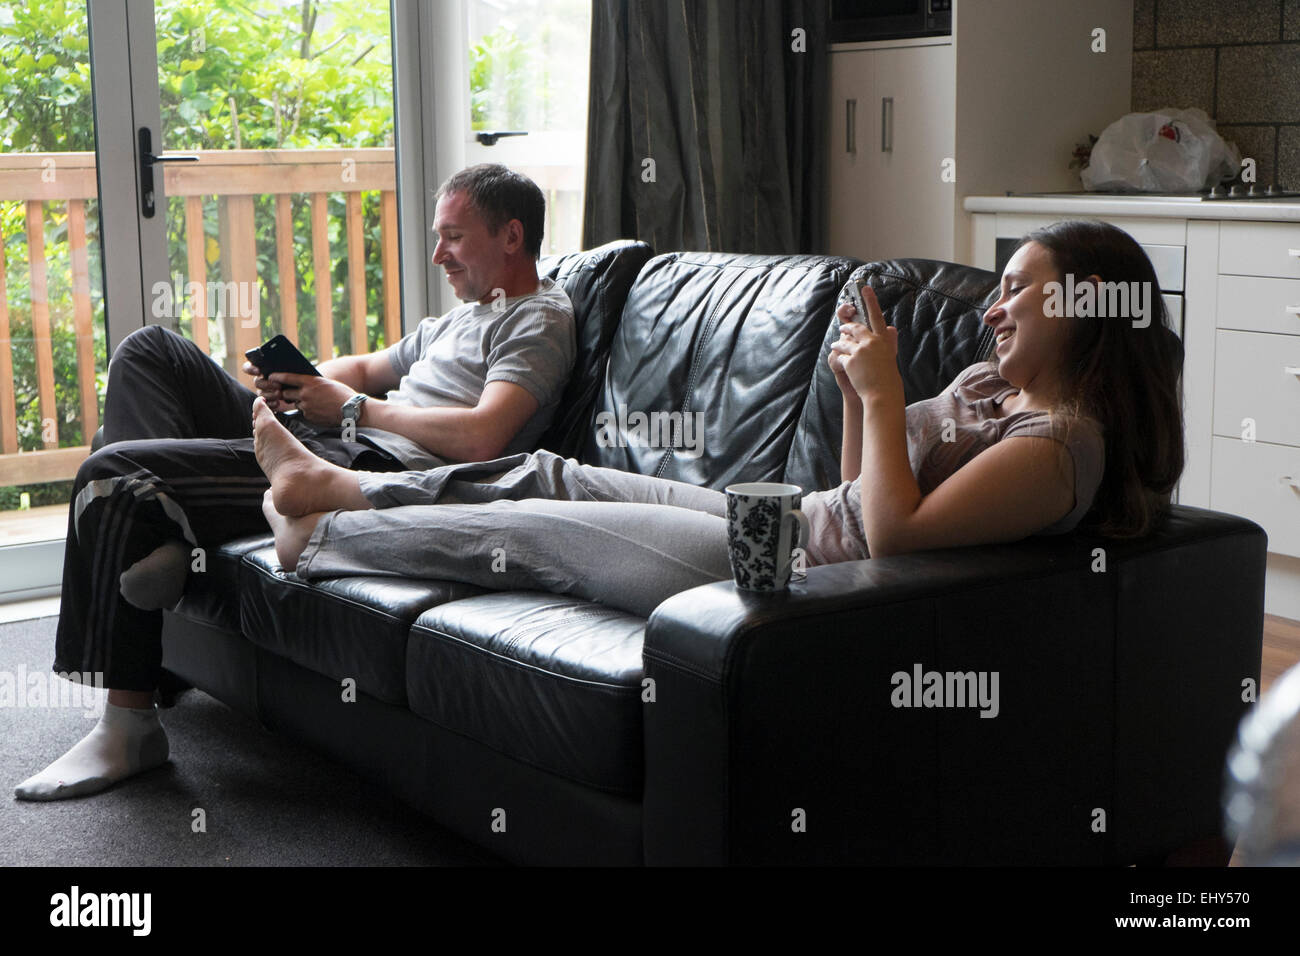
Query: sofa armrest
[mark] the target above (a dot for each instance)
(774, 733)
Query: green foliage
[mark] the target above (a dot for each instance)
(499, 81)
(301, 75)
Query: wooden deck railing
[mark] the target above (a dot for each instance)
(233, 179)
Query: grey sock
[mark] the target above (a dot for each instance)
(157, 580)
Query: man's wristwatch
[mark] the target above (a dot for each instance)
(352, 408)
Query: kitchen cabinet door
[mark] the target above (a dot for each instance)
(892, 127)
(913, 189)
(852, 159)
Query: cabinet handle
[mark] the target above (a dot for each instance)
(850, 126)
(887, 128)
(1291, 480)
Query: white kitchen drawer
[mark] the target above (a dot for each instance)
(1253, 480)
(1251, 381)
(1170, 265)
(1259, 305)
(1174, 306)
(1260, 249)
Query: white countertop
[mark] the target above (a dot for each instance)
(1162, 207)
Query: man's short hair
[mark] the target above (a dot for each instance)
(498, 195)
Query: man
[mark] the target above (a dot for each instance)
(179, 471)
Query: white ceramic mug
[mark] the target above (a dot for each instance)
(765, 528)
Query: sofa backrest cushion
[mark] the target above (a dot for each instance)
(597, 282)
(726, 344)
(938, 309)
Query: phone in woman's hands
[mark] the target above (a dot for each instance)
(859, 303)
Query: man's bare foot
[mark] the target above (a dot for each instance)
(301, 483)
(291, 534)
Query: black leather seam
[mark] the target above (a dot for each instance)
(631, 791)
(605, 614)
(628, 791)
(925, 287)
(571, 682)
(710, 327)
(683, 664)
(985, 334)
(304, 586)
(595, 686)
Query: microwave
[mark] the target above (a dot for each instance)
(853, 21)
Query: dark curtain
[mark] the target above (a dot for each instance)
(732, 115)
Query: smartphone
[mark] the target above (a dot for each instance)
(855, 293)
(280, 355)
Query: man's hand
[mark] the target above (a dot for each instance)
(269, 390)
(319, 399)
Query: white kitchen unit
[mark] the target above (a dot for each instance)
(1240, 285)
(918, 125)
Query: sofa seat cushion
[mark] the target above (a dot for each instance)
(212, 596)
(551, 680)
(353, 627)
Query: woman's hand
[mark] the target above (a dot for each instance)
(867, 354)
(835, 360)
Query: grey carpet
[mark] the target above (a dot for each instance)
(267, 800)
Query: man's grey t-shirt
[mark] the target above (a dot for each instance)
(529, 340)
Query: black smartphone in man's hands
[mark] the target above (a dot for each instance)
(280, 355)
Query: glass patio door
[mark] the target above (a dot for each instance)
(528, 79)
(53, 345)
(285, 220)
(281, 211)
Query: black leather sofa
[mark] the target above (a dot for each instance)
(739, 728)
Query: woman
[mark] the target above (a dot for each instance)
(1013, 447)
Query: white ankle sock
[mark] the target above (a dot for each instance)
(126, 741)
(157, 580)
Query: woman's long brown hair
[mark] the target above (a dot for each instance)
(1125, 378)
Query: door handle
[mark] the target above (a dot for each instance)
(887, 124)
(148, 158)
(850, 126)
(489, 138)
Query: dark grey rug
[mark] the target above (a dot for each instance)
(267, 801)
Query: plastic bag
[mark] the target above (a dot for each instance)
(1165, 151)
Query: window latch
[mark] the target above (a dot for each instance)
(490, 137)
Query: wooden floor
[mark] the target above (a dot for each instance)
(1281, 652)
(1281, 648)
